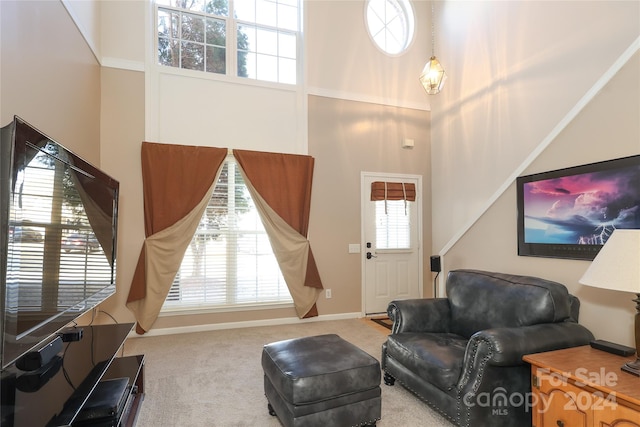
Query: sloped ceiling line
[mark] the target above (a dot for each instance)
(566, 120)
(68, 5)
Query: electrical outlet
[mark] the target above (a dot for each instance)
(327, 293)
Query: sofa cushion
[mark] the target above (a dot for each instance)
(482, 300)
(434, 357)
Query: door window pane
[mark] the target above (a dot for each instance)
(393, 222)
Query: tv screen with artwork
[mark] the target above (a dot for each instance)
(570, 213)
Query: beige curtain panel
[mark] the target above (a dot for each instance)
(97, 204)
(280, 185)
(99, 211)
(177, 181)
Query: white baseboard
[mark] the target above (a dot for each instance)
(245, 324)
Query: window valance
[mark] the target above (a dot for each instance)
(382, 190)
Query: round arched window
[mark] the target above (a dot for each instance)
(390, 24)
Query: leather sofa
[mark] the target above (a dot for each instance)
(462, 354)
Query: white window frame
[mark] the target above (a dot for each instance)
(231, 51)
(410, 16)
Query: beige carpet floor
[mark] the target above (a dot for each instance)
(214, 379)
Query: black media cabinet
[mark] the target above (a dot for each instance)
(54, 395)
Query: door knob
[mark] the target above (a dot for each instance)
(370, 255)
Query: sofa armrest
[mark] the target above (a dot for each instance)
(508, 345)
(420, 315)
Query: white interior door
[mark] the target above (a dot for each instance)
(391, 245)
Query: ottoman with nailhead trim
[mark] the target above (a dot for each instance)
(321, 381)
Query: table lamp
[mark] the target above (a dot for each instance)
(617, 267)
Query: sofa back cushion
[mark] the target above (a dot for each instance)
(482, 300)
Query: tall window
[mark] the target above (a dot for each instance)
(229, 261)
(258, 40)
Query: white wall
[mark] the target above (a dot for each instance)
(210, 112)
(343, 62)
(534, 86)
(49, 75)
(87, 17)
(125, 30)
(606, 128)
(515, 69)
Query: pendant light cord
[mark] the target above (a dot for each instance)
(433, 30)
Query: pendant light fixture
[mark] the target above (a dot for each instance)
(433, 75)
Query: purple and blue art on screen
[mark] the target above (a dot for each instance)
(583, 208)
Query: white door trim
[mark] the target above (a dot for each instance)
(363, 251)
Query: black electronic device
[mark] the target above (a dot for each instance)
(611, 347)
(59, 392)
(30, 382)
(7, 398)
(58, 217)
(105, 402)
(71, 334)
(435, 264)
(36, 359)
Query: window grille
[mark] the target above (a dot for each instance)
(259, 40)
(390, 24)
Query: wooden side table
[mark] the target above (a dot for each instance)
(582, 386)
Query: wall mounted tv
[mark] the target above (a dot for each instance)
(58, 223)
(570, 213)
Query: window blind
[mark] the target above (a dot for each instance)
(393, 225)
(229, 261)
(381, 190)
(52, 251)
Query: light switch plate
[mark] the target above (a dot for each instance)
(354, 248)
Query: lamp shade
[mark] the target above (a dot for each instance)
(433, 76)
(617, 265)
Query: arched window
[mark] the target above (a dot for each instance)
(390, 24)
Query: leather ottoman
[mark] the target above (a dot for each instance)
(321, 381)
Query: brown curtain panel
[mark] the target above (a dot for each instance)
(284, 181)
(381, 190)
(177, 180)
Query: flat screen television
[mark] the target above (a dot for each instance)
(58, 228)
(570, 213)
